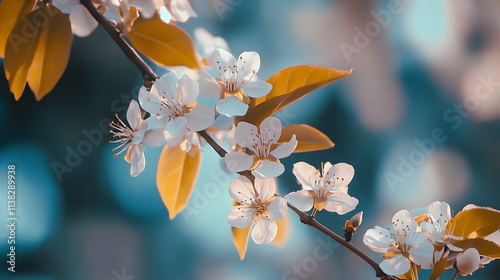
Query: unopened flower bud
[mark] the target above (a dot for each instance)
(351, 225)
(468, 261)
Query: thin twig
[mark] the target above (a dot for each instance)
(148, 74)
(308, 220)
(149, 77)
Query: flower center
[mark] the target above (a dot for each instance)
(262, 146)
(174, 108)
(399, 240)
(322, 185)
(229, 76)
(260, 208)
(123, 132)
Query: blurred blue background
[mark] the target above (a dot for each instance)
(418, 119)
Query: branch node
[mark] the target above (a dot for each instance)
(306, 219)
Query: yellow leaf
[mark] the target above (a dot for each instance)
(438, 269)
(309, 138)
(176, 177)
(484, 247)
(240, 239)
(10, 12)
(52, 55)
(475, 222)
(289, 85)
(37, 51)
(19, 52)
(282, 234)
(166, 44)
(241, 235)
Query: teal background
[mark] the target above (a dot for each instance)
(407, 80)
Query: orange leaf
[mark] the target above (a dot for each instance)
(240, 239)
(10, 12)
(476, 222)
(282, 234)
(38, 51)
(51, 57)
(166, 44)
(438, 269)
(309, 138)
(484, 247)
(176, 177)
(289, 85)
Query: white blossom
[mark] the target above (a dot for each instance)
(325, 189)
(264, 148)
(130, 138)
(257, 206)
(235, 83)
(402, 244)
(173, 108)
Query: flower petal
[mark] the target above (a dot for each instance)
(378, 239)
(150, 101)
(173, 140)
(248, 64)
(134, 114)
(66, 6)
(82, 22)
(270, 129)
(176, 124)
(269, 169)
(240, 216)
(422, 254)
(200, 117)
(303, 200)
(340, 203)
(154, 138)
(277, 208)
(404, 222)
(468, 261)
(285, 149)
(256, 89)
(231, 106)
(440, 213)
(265, 187)
(189, 89)
(209, 87)
(431, 231)
(238, 161)
(264, 230)
(340, 174)
(166, 86)
(245, 134)
(137, 160)
(306, 174)
(241, 190)
(396, 265)
(181, 10)
(208, 42)
(223, 58)
(147, 8)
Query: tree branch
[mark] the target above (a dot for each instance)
(309, 220)
(306, 219)
(150, 76)
(147, 73)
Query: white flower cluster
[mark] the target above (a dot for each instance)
(175, 117)
(119, 11)
(424, 240)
